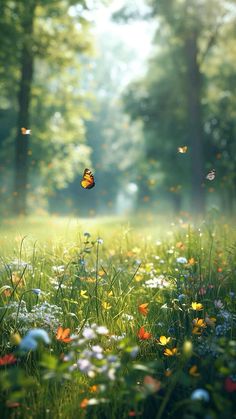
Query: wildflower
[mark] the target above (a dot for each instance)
(111, 374)
(198, 326)
(100, 241)
(83, 294)
(210, 321)
(156, 282)
(191, 261)
(84, 403)
(163, 340)
(200, 394)
(97, 352)
(15, 339)
(102, 330)
(143, 309)
(202, 291)
(138, 277)
(218, 304)
(143, 334)
(106, 305)
(32, 338)
(194, 371)
(197, 306)
(93, 389)
(151, 384)
(7, 359)
(88, 333)
(181, 297)
(58, 269)
(182, 260)
(170, 352)
(230, 385)
(180, 245)
(128, 317)
(36, 291)
(84, 365)
(63, 335)
(17, 279)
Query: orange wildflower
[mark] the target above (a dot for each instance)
(63, 335)
(84, 403)
(143, 334)
(143, 309)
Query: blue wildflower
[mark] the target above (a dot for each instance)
(36, 291)
(181, 260)
(32, 338)
(200, 394)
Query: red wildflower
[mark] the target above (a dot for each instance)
(7, 360)
(230, 385)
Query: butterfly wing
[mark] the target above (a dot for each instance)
(88, 180)
(211, 175)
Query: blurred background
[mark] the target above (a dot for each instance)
(117, 86)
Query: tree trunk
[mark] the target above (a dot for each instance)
(24, 95)
(194, 87)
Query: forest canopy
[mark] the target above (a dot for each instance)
(70, 88)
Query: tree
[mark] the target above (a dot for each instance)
(170, 100)
(41, 31)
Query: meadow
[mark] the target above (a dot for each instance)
(114, 318)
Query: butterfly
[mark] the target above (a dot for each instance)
(88, 180)
(25, 131)
(63, 335)
(211, 175)
(183, 149)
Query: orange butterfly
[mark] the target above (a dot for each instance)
(88, 180)
(25, 131)
(63, 334)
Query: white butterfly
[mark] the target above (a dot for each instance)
(211, 175)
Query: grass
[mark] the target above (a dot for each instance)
(166, 294)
